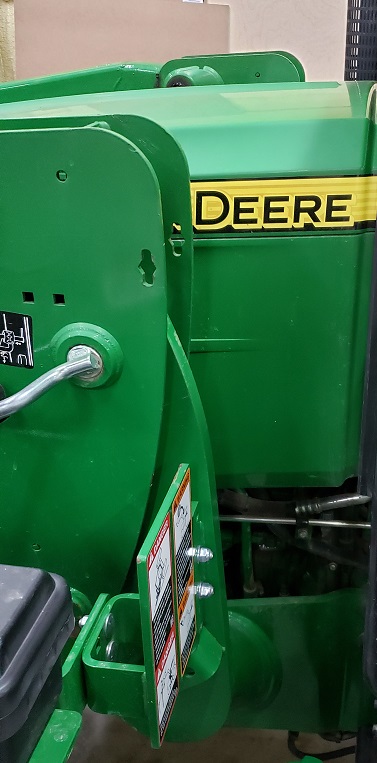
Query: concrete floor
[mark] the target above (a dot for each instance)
(109, 740)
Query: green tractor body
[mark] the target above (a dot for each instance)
(207, 230)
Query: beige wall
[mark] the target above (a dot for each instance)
(7, 64)
(313, 30)
(77, 34)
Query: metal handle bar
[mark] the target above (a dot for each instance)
(81, 360)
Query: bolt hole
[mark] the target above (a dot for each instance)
(59, 299)
(36, 547)
(61, 175)
(257, 74)
(28, 296)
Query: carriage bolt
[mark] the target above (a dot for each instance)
(108, 627)
(203, 590)
(111, 651)
(83, 620)
(200, 554)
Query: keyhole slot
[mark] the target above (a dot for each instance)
(147, 267)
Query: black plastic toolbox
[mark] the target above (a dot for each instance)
(36, 620)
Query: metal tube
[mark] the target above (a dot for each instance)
(245, 504)
(318, 505)
(80, 360)
(337, 523)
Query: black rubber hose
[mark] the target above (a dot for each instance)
(243, 503)
(333, 755)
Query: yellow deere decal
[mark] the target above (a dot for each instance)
(287, 204)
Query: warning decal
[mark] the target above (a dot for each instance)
(182, 521)
(16, 340)
(167, 683)
(160, 585)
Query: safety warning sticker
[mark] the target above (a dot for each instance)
(182, 521)
(16, 340)
(160, 585)
(167, 683)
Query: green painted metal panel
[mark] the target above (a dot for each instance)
(172, 172)
(276, 66)
(125, 76)
(120, 687)
(56, 743)
(77, 464)
(117, 686)
(277, 130)
(279, 327)
(242, 68)
(185, 440)
(318, 642)
(73, 694)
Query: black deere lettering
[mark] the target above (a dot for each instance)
(332, 207)
(239, 210)
(307, 205)
(200, 195)
(270, 210)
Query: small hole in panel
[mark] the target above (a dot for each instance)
(36, 547)
(28, 296)
(61, 175)
(59, 299)
(257, 74)
(190, 672)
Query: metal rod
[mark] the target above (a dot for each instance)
(337, 523)
(80, 360)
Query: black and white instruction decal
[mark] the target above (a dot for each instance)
(163, 626)
(16, 340)
(167, 683)
(182, 521)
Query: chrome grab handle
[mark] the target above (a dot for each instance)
(81, 361)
